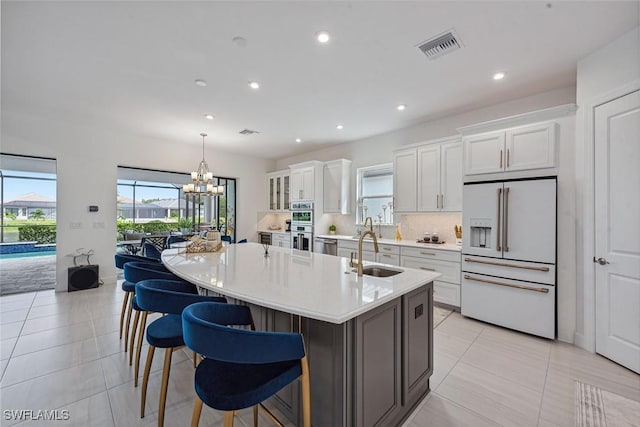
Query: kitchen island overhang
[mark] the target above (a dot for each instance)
(369, 339)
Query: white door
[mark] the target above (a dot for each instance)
(482, 219)
(429, 178)
(451, 177)
(404, 181)
(484, 153)
(617, 230)
(529, 220)
(531, 147)
(296, 185)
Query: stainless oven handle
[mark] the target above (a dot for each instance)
(508, 285)
(504, 264)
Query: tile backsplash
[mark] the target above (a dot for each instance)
(412, 226)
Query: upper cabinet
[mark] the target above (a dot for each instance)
(278, 191)
(428, 177)
(337, 175)
(306, 182)
(515, 149)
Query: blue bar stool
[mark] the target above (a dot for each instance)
(135, 272)
(241, 367)
(170, 297)
(127, 287)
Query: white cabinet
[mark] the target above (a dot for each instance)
(278, 191)
(404, 180)
(447, 288)
(515, 149)
(337, 174)
(428, 178)
(281, 240)
(306, 182)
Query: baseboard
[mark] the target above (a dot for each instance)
(579, 341)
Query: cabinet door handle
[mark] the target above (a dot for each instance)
(506, 219)
(498, 248)
(441, 201)
(386, 255)
(427, 268)
(507, 158)
(500, 159)
(508, 285)
(427, 253)
(386, 249)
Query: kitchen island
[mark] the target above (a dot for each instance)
(369, 340)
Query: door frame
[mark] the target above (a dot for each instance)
(587, 339)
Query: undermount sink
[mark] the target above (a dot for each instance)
(379, 271)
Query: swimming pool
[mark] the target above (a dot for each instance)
(27, 254)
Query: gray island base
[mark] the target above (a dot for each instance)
(369, 340)
(372, 370)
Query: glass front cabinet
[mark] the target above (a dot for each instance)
(278, 191)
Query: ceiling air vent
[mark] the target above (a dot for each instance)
(440, 45)
(248, 132)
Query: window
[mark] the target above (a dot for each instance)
(27, 198)
(153, 201)
(375, 194)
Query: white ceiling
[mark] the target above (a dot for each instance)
(131, 66)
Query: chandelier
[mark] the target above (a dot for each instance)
(202, 179)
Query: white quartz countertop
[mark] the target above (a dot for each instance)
(313, 285)
(408, 243)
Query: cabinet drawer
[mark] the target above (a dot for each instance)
(367, 245)
(389, 249)
(529, 271)
(450, 270)
(446, 293)
(366, 255)
(386, 258)
(426, 252)
(523, 306)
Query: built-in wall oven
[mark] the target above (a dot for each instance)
(302, 226)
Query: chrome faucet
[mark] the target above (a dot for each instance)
(362, 236)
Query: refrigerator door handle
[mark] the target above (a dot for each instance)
(504, 264)
(498, 248)
(506, 219)
(508, 285)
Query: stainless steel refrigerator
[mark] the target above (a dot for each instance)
(509, 254)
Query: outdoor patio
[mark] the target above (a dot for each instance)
(28, 274)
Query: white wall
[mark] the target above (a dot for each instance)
(605, 74)
(378, 149)
(87, 162)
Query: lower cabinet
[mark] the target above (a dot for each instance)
(372, 370)
(446, 289)
(281, 240)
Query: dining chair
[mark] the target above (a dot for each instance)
(151, 251)
(241, 368)
(175, 239)
(169, 297)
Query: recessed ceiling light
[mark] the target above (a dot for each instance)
(323, 37)
(254, 85)
(201, 83)
(298, 140)
(339, 127)
(209, 116)
(499, 76)
(401, 107)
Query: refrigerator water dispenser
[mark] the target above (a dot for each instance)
(480, 232)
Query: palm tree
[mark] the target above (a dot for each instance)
(37, 214)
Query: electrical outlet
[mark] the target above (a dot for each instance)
(419, 311)
(75, 225)
(99, 225)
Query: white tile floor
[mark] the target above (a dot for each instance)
(62, 351)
